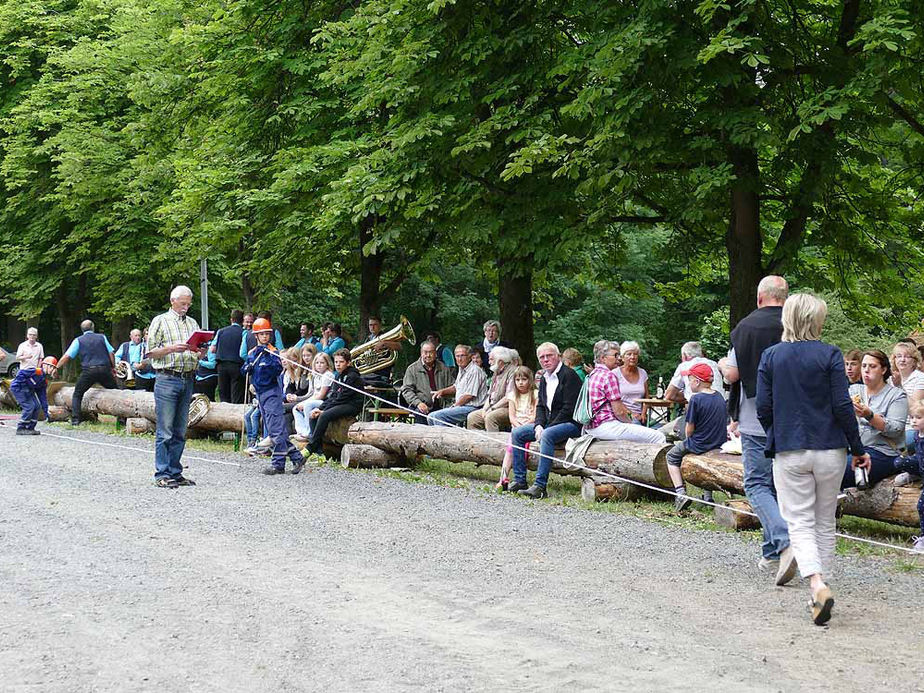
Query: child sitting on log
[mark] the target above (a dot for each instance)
(29, 389)
(706, 430)
(521, 404)
(264, 367)
(913, 465)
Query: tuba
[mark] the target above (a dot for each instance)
(368, 359)
(123, 372)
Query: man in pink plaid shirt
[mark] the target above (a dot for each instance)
(606, 402)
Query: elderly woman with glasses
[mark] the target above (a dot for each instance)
(804, 406)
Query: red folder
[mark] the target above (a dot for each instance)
(198, 338)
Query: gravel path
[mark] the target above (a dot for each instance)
(344, 581)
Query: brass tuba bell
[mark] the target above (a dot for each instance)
(124, 373)
(368, 359)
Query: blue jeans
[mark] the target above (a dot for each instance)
(552, 437)
(759, 488)
(252, 424)
(452, 416)
(171, 404)
(882, 466)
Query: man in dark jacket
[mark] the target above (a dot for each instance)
(344, 399)
(755, 333)
(558, 393)
(97, 365)
(227, 348)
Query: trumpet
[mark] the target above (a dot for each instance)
(368, 358)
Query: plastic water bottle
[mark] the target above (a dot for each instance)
(659, 393)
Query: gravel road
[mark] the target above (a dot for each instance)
(344, 581)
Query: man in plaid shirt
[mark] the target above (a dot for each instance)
(606, 402)
(175, 363)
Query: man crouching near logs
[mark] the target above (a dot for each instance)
(29, 389)
(264, 367)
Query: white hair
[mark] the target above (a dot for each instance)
(773, 287)
(180, 291)
(603, 346)
(629, 346)
(492, 322)
(692, 350)
(548, 345)
(31, 330)
(501, 354)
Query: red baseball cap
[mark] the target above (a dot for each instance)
(701, 371)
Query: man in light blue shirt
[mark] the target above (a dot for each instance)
(331, 339)
(132, 352)
(96, 365)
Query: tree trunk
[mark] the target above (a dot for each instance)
(884, 502)
(515, 295)
(743, 239)
(733, 515)
(370, 277)
(636, 461)
(368, 457)
(603, 491)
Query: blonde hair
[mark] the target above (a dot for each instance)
(525, 372)
(327, 360)
(803, 317)
(308, 346)
(916, 409)
(572, 357)
(911, 351)
(294, 372)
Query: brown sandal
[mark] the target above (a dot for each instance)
(822, 604)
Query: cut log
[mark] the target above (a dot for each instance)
(136, 425)
(715, 471)
(732, 515)
(884, 502)
(603, 491)
(635, 461)
(369, 457)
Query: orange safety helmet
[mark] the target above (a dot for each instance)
(50, 361)
(261, 325)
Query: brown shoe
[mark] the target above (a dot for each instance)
(821, 606)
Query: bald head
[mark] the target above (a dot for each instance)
(772, 291)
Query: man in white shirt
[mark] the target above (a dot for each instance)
(30, 353)
(470, 390)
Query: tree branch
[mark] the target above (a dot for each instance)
(905, 115)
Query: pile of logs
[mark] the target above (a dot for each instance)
(399, 444)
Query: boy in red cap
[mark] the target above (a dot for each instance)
(706, 421)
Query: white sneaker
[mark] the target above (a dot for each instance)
(902, 479)
(265, 443)
(918, 545)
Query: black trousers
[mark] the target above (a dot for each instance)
(230, 382)
(88, 378)
(320, 424)
(145, 384)
(206, 387)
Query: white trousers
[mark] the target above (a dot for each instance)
(807, 483)
(617, 430)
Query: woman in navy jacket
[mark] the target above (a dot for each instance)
(804, 406)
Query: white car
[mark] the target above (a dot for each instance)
(9, 366)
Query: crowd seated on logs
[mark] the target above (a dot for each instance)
(484, 386)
